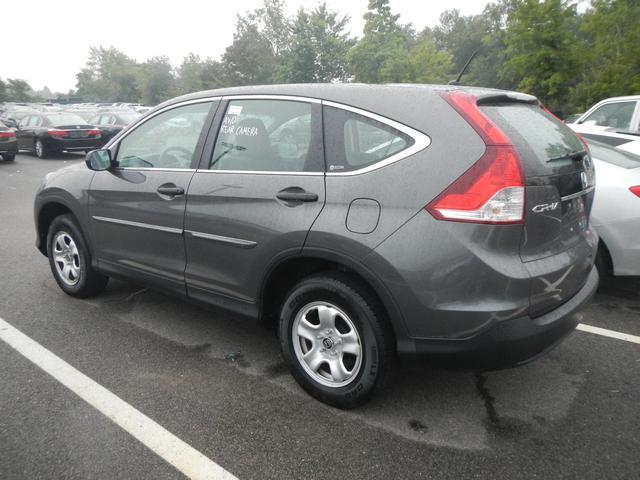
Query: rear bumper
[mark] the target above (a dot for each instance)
(10, 147)
(74, 144)
(509, 342)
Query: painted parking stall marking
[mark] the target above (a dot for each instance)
(608, 333)
(163, 443)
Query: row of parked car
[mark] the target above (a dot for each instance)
(46, 129)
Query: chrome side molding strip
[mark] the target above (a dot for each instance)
(129, 223)
(236, 242)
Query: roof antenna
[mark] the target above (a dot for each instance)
(464, 69)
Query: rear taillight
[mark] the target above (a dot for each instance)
(7, 135)
(635, 190)
(94, 133)
(57, 133)
(492, 190)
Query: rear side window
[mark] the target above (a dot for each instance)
(615, 115)
(547, 137)
(63, 119)
(354, 141)
(268, 135)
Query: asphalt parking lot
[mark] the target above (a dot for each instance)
(217, 383)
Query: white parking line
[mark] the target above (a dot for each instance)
(609, 333)
(163, 443)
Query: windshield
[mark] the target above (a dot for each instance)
(612, 155)
(66, 119)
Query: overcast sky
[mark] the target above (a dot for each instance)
(47, 43)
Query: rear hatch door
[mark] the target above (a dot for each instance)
(556, 245)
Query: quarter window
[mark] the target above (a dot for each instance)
(354, 141)
(167, 140)
(615, 115)
(267, 135)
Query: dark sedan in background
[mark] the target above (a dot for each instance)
(112, 122)
(8, 144)
(12, 117)
(47, 133)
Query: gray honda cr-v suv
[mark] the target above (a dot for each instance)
(363, 221)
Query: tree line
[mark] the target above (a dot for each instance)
(567, 58)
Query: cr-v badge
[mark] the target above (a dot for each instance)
(545, 207)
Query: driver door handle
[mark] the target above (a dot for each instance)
(170, 189)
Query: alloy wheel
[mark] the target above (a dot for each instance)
(66, 258)
(327, 344)
(39, 149)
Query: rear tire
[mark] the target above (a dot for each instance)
(9, 157)
(40, 149)
(70, 259)
(335, 338)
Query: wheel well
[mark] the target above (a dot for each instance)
(291, 271)
(47, 213)
(605, 255)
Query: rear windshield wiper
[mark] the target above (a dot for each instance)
(573, 155)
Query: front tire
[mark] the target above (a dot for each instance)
(335, 338)
(70, 259)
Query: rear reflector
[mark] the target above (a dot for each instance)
(492, 190)
(7, 135)
(635, 190)
(57, 133)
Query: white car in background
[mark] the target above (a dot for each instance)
(616, 209)
(614, 121)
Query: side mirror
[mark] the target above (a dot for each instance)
(99, 160)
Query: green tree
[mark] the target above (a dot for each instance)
(250, 58)
(261, 38)
(459, 35)
(318, 48)
(18, 90)
(610, 52)
(539, 53)
(383, 52)
(428, 63)
(3, 91)
(195, 74)
(156, 81)
(108, 76)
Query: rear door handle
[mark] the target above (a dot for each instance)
(296, 194)
(170, 189)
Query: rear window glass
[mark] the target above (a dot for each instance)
(66, 119)
(267, 135)
(354, 141)
(612, 155)
(546, 136)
